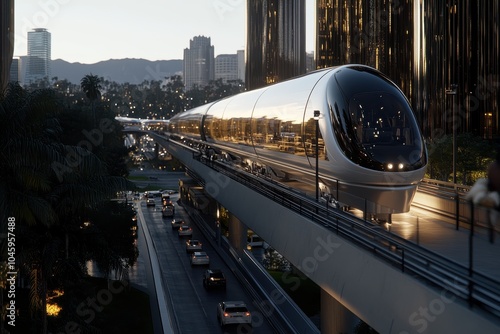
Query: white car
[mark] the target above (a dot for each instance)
(255, 241)
(233, 313)
(200, 259)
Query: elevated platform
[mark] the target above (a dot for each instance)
(388, 299)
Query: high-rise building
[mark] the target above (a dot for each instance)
(6, 40)
(226, 67)
(199, 66)
(14, 70)
(426, 47)
(241, 65)
(275, 41)
(310, 63)
(39, 55)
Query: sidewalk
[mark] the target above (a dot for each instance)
(443, 238)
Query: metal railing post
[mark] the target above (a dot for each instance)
(471, 254)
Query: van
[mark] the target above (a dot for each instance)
(255, 241)
(156, 195)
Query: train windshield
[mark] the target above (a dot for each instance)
(375, 126)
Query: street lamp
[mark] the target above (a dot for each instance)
(316, 121)
(453, 92)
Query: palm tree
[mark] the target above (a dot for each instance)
(91, 85)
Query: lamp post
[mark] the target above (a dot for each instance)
(316, 121)
(453, 92)
(217, 228)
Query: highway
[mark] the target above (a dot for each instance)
(194, 307)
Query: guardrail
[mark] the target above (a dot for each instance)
(448, 201)
(261, 285)
(475, 288)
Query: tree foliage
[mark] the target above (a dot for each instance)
(54, 176)
(473, 156)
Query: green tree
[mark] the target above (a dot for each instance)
(28, 146)
(195, 97)
(91, 86)
(175, 96)
(473, 156)
(49, 187)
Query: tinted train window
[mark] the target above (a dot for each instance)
(373, 122)
(379, 119)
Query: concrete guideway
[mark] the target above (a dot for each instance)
(389, 300)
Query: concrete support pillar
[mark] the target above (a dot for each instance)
(237, 234)
(335, 318)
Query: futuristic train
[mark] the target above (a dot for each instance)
(370, 152)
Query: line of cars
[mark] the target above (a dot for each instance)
(161, 197)
(193, 246)
(228, 312)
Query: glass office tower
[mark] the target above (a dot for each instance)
(39, 55)
(275, 41)
(199, 66)
(6, 40)
(426, 47)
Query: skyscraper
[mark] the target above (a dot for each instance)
(226, 67)
(6, 40)
(199, 66)
(14, 70)
(426, 47)
(39, 55)
(275, 41)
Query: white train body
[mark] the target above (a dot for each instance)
(370, 151)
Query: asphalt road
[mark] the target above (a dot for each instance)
(157, 178)
(194, 306)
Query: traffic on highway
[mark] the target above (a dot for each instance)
(185, 260)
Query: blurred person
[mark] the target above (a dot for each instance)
(494, 174)
(486, 192)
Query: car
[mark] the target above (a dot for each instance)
(150, 202)
(214, 278)
(193, 245)
(165, 199)
(168, 211)
(200, 259)
(177, 223)
(254, 241)
(233, 312)
(185, 231)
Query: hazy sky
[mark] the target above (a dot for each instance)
(88, 31)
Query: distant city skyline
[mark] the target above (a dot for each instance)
(93, 31)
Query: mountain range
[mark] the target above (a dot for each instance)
(133, 71)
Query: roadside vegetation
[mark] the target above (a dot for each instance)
(61, 165)
(474, 154)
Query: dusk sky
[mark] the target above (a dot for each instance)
(89, 31)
